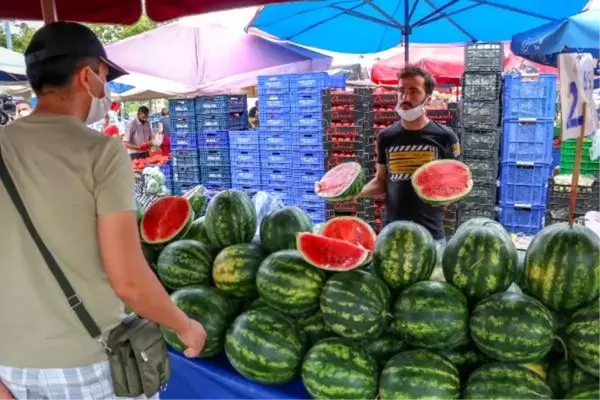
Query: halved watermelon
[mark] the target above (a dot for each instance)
(166, 220)
(197, 199)
(330, 254)
(442, 182)
(342, 182)
(350, 229)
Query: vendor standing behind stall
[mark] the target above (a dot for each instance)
(164, 128)
(138, 137)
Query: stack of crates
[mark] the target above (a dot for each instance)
(567, 158)
(480, 120)
(244, 158)
(291, 137)
(527, 137)
(184, 145)
(559, 193)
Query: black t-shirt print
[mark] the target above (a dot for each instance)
(402, 152)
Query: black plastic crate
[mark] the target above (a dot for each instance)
(480, 114)
(445, 117)
(332, 98)
(385, 117)
(588, 198)
(466, 213)
(555, 216)
(480, 143)
(484, 57)
(481, 86)
(335, 159)
(482, 194)
(347, 146)
(345, 115)
(384, 99)
(351, 207)
(344, 132)
(483, 170)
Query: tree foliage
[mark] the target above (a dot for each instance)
(21, 36)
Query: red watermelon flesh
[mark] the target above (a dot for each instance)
(330, 254)
(442, 182)
(343, 181)
(350, 229)
(166, 220)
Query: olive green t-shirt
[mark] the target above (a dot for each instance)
(67, 175)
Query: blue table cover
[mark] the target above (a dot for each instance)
(216, 379)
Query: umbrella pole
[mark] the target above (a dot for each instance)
(49, 11)
(406, 32)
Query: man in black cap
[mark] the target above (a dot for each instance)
(77, 186)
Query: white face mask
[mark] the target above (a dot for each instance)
(412, 113)
(100, 106)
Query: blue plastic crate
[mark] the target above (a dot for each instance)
(527, 220)
(185, 158)
(280, 159)
(213, 139)
(306, 178)
(306, 102)
(241, 158)
(555, 157)
(243, 139)
(316, 213)
(183, 124)
(184, 141)
(307, 140)
(217, 176)
(167, 171)
(308, 160)
(272, 141)
(213, 157)
(315, 81)
(527, 141)
(276, 176)
(222, 103)
(186, 174)
(178, 105)
(285, 192)
(180, 188)
(530, 96)
(273, 84)
(306, 195)
(524, 183)
(272, 102)
(245, 176)
(249, 189)
(213, 122)
(184, 114)
(274, 121)
(307, 120)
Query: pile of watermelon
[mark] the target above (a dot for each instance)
(358, 316)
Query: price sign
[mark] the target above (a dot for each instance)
(576, 89)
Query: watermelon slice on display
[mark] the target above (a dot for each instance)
(442, 182)
(342, 182)
(330, 254)
(166, 220)
(197, 199)
(350, 229)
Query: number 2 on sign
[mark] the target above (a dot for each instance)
(572, 121)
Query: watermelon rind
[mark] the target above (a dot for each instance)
(184, 263)
(235, 267)
(326, 248)
(446, 200)
(565, 375)
(278, 229)
(230, 219)
(506, 381)
(315, 328)
(197, 232)
(197, 199)
(344, 193)
(335, 368)
(362, 226)
(582, 337)
(589, 391)
(176, 232)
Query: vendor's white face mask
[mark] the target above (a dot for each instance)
(100, 106)
(411, 114)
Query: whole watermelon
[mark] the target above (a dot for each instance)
(387, 345)
(315, 328)
(338, 369)
(355, 305)
(289, 284)
(565, 375)
(230, 219)
(480, 260)
(483, 221)
(589, 391)
(420, 308)
(506, 381)
(419, 374)
(207, 306)
(234, 270)
(279, 228)
(405, 253)
(197, 232)
(184, 263)
(265, 346)
(466, 358)
(562, 266)
(582, 337)
(512, 327)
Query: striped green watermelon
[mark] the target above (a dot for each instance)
(480, 260)
(184, 263)
(230, 219)
(582, 338)
(197, 199)
(315, 328)
(342, 182)
(512, 327)
(288, 284)
(265, 346)
(590, 391)
(506, 381)
(207, 306)
(151, 254)
(562, 266)
(166, 220)
(419, 374)
(355, 305)
(565, 375)
(466, 358)
(387, 345)
(234, 270)
(483, 221)
(432, 315)
(339, 369)
(198, 232)
(279, 228)
(405, 253)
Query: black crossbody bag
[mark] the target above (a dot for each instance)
(136, 350)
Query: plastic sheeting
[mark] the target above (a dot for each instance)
(216, 379)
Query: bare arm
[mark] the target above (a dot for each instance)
(376, 187)
(128, 136)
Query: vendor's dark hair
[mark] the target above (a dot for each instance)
(143, 110)
(411, 71)
(56, 72)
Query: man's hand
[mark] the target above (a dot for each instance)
(193, 337)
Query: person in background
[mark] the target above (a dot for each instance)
(22, 109)
(78, 188)
(138, 137)
(109, 129)
(253, 115)
(404, 147)
(164, 128)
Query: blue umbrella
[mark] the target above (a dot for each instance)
(119, 88)
(369, 26)
(577, 34)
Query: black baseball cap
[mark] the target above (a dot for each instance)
(63, 38)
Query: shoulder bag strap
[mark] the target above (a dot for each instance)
(72, 298)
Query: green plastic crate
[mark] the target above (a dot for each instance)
(567, 158)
